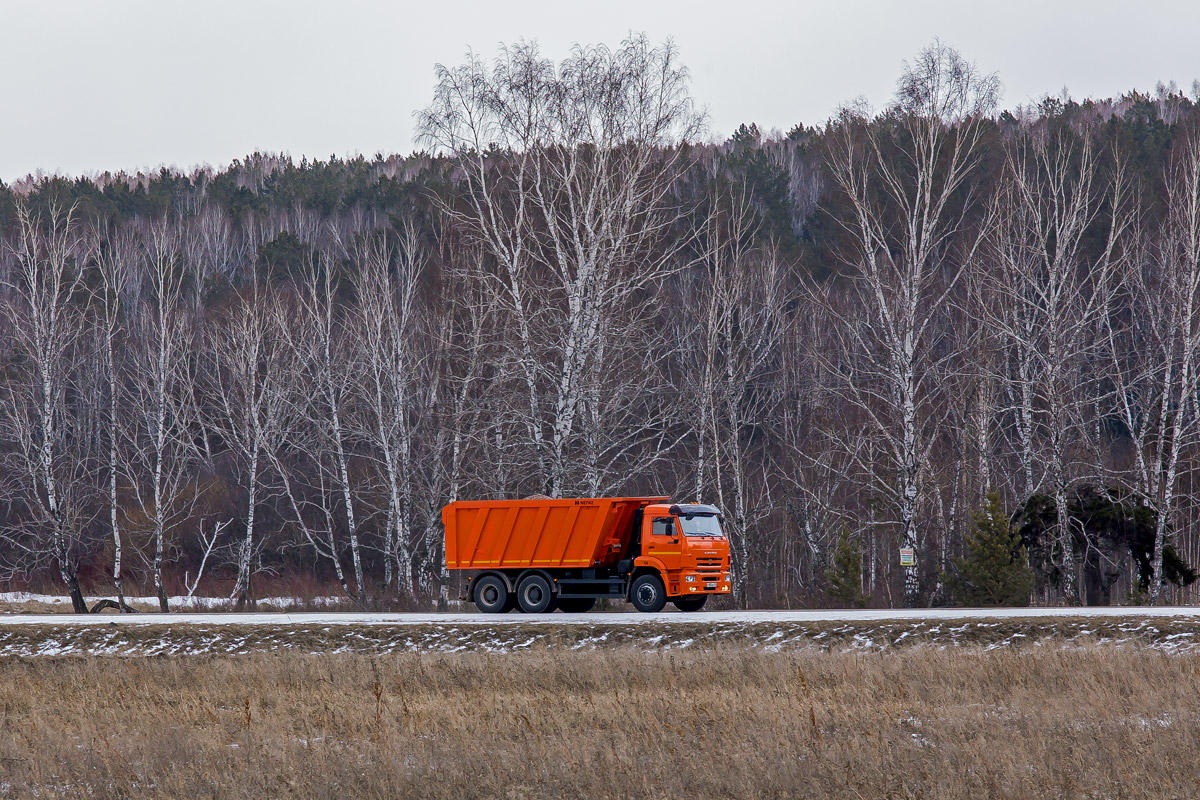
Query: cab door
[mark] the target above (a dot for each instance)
(663, 542)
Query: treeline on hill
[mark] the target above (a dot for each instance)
(848, 337)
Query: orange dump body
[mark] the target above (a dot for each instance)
(516, 534)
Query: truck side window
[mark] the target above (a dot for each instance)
(664, 526)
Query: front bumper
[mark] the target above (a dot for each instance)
(680, 586)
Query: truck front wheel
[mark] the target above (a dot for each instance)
(648, 594)
(491, 595)
(534, 595)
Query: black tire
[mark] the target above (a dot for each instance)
(648, 594)
(691, 603)
(576, 605)
(534, 595)
(491, 595)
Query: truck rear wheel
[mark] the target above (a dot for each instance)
(691, 603)
(491, 595)
(576, 605)
(648, 594)
(534, 595)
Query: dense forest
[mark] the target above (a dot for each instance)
(851, 337)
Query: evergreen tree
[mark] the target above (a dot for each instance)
(845, 573)
(995, 571)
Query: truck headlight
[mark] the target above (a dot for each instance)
(690, 578)
(728, 578)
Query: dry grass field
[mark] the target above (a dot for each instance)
(1074, 722)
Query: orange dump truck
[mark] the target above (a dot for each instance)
(545, 554)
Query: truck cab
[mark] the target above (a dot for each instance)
(683, 556)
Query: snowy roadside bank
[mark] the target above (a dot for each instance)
(703, 618)
(319, 634)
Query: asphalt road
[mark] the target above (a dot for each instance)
(631, 618)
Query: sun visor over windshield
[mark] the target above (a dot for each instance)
(688, 509)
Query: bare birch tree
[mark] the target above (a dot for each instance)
(910, 181)
(49, 472)
(160, 457)
(1154, 342)
(456, 377)
(386, 279)
(248, 384)
(115, 263)
(738, 300)
(566, 173)
(322, 347)
(1051, 292)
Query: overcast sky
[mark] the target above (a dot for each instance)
(92, 85)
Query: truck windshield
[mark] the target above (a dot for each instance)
(700, 525)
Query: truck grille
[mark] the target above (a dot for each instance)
(708, 565)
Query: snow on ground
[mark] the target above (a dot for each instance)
(176, 602)
(1170, 630)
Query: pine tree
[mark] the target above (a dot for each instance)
(845, 573)
(995, 570)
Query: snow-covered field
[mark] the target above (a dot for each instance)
(1174, 630)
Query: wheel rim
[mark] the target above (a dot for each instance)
(646, 594)
(533, 595)
(491, 595)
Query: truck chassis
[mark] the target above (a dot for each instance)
(575, 591)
